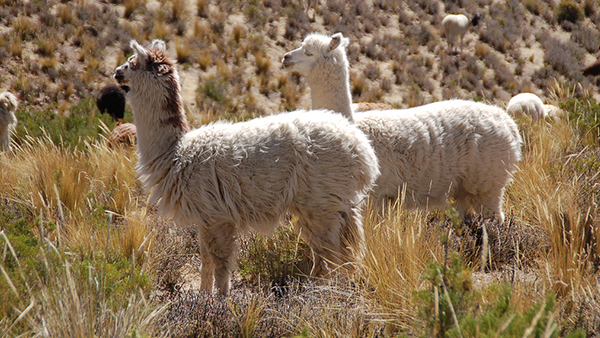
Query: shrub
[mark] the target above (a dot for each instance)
(568, 10)
(451, 307)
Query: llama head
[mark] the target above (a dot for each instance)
(476, 18)
(153, 84)
(146, 64)
(317, 48)
(9, 102)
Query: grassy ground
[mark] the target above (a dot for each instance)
(82, 254)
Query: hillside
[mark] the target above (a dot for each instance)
(83, 254)
(55, 53)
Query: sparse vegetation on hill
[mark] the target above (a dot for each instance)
(82, 254)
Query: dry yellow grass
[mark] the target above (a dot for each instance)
(68, 186)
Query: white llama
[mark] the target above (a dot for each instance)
(455, 28)
(8, 120)
(527, 104)
(230, 177)
(457, 148)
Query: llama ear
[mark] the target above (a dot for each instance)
(158, 44)
(139, 50)
(337, 40)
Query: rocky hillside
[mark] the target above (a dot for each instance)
(56, 52)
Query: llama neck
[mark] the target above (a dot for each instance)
(160, 122)
(330, 89)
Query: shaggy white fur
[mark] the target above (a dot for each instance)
(527, 104)
(457, 148)
(455, 28)
(230, 177)
(8, 120)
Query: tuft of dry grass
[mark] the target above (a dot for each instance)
(68, 301)
(536, 200)
(131, 6)
(399, 246)
(183, 51)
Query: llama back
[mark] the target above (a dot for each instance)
(441, 146)
(253, 177)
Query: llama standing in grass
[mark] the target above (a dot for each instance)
(455, 28)
(8, 120)
(457, 148)
(230, 177)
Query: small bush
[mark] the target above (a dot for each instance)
(215, 89)
(183, 50)
(568, 10)
(534, 6)
(588, 38)
(203, 8)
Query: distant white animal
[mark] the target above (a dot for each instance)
(527, 104)
(230, 177)
(554, 111)
(451, 149)
(315, 4)
(8, 120)
(455, 28)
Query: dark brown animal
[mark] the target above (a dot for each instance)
(111, 100)
(593, 69)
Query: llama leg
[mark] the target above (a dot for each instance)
(463, 202)
(220, 245)
(490, 204)
(207, 270)
(323, 237)
(352, 236)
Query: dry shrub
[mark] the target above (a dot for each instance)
(535, 199)
(175, 256)
(372, 71)
(161, 30)
(569, 10)
(290, 90)
(204, 59)
(494, 36)
(263, 63)
(588, 38)
(131, 6)
(563, 57)
(321, 309)
(183, 50)
(512, 244)
(297, 24)
(359, 85)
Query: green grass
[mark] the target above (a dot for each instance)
(82, 121)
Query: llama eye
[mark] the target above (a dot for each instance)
(307, 53)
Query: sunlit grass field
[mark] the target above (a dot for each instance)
(82, 254)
